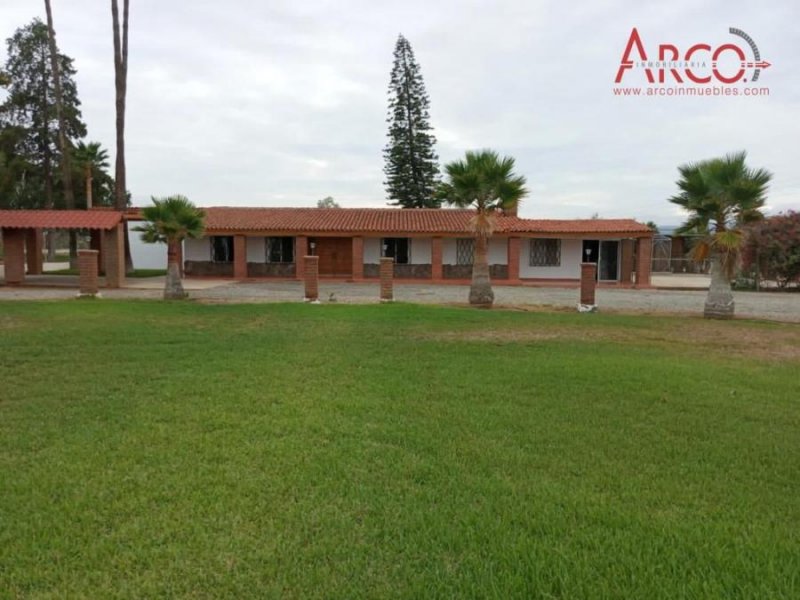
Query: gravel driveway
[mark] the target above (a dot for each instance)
(773, 306)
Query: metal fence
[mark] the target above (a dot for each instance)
(664, 262)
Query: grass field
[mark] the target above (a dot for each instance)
(185, 450)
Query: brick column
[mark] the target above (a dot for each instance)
(358, 258)
(514, 247)
(14, 261)
(644, 253)
(87, 270)
(626, 262)
(311, 277)
(300, 250)
(436, 258)
(97, 242)
(34, 242)
(114, 248)
(588, 283)
(387, 279)
(239, 257)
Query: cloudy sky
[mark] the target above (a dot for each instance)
(280, 103)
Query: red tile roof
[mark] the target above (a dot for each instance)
(59, 219)
(395, 220)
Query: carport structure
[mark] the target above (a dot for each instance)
(22, 232)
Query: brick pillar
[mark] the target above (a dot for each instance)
(644, 254)
(97, 242)
(114, 248)
(626, 262)
(300, 250)
(514, 246)
(311, 277)
(34, 242)
(239, 257)
(87, 270)
(436, 258)
(588, 283)
(14, 261)
(358, 258)
(387, 279)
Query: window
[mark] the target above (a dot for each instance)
(396, 248)
(545, 253)
(465, 251)
(222, 248)
(280, 250)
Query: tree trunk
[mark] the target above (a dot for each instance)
(88, 186)
(480, 292)
(719, 302)
(173, 287)
(121, 88)
(66, 163)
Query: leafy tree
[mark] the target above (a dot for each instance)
(29, 120)
(328, 202)
(92, 159)
(411, 165)
(721, 196)
(487, 183)
(772, 249)
(169, 221)
(651, 225)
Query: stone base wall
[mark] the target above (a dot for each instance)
(400, 271)
(271, 269)
(206, 268)
(465, 271)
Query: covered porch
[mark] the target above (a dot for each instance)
(22, 237)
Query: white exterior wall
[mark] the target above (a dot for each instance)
(448, 251)
(372, 251)
(199, 249)
(146, 256)
(256, 249)
(498, 251)
(570, 267)
(420, 251)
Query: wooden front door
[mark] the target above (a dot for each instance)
(335, 256)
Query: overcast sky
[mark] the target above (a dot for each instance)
(280, 103)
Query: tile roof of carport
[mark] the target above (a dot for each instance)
(59, 219)
(388, 220)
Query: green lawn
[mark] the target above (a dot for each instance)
(185, 450)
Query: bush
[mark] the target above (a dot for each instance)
(772, 249)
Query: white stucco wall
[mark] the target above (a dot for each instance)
(146, 256)
(199, 249)
(256, 249)
(570, 262)
(448, 251)
(420, 251)
(372, 251)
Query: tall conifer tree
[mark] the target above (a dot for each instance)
(412, 168)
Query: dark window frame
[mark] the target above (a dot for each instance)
(279, 250)
(545, 252)
(392, 248)
(221, 248)
(465, 251)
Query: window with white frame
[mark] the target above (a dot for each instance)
(222, 248)
(465, 251)
(280, 250)
(397, 248)
(545, 252)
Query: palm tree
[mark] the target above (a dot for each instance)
(92, 158)
(171, 220)
(487, 183)
(721, 195)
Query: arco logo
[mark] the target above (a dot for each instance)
(729, 63)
